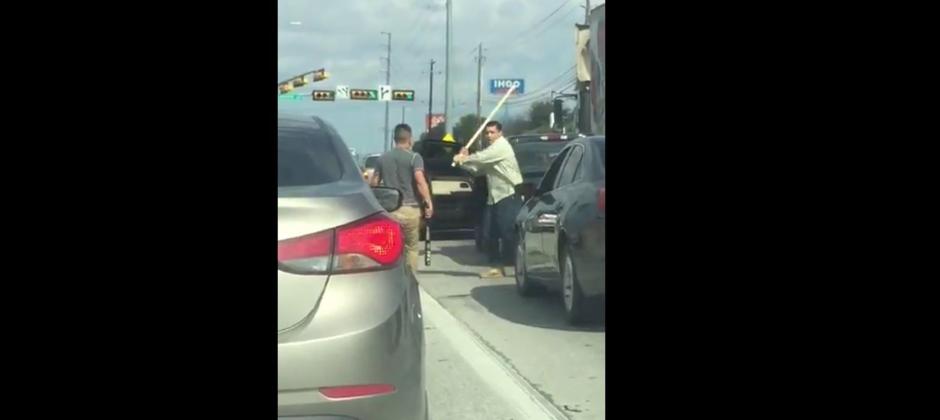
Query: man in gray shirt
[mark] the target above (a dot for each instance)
(403, 169)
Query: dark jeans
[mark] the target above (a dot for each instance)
(501, 218)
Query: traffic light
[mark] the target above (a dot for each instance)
(300, 81)
(324, 95)
(286, 87)
(319, 75)
(403, 95)
(364, 94)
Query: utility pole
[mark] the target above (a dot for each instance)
(431, 97)
(447, 79)
(587, 11)
(480, 59)
(388, 80)
(402, 114)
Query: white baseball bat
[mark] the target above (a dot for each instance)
(488, 118)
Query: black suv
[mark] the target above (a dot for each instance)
(458, 196)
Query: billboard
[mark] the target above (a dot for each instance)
(501, 86)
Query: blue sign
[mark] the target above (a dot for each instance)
(500, 86)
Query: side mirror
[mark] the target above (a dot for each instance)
(389, 198)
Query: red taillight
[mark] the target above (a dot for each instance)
(306, 254)
(357, 391)
(602, 199)
(370, 243)
(378, 238)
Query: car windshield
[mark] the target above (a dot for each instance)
(534, 158)
(435, 150)
(306, 157)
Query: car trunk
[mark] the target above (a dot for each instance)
(305, 214)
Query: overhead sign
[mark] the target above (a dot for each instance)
(501, 86)
(342, 92)
(403, 95)
(385, 93)
(364, 94)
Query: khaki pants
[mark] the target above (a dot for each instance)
(410, 220)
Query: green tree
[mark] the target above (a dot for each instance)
(538, 114)
(465, 127)
(437, 133)
(514, 126)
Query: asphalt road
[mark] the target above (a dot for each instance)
(492, 354)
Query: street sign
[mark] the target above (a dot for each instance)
(403, 95)
(501, 86)
(385, 93)
(324, 95)
(342, 92)
(293, 97)
(364, 94)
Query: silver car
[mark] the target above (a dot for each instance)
(350, 338)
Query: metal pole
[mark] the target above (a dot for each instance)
(447, 76)
(479, 80)
(388, 80)
(402, 114)
(431, 97)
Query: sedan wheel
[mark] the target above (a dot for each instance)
(524, 286)
(576, 310)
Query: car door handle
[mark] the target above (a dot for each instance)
(547, 220)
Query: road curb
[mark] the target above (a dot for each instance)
(490, 366)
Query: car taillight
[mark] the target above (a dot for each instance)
(602, 199)
(373, 242)
(306, 254)
(357, 391)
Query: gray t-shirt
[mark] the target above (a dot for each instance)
(397, 170)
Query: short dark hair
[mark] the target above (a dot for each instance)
(495, 124)
(400, 131)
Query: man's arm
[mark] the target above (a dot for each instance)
(489, 155)
(375, 178)
(424, 192)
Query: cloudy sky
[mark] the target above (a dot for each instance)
(529, 39)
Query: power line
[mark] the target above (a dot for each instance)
(547, 27)
(528, 31)
(520, 35)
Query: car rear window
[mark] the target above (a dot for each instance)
(306, 157)
(536, 157)
(372, 162)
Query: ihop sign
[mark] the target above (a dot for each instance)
(500, 86)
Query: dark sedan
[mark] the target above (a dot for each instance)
(562, 231)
